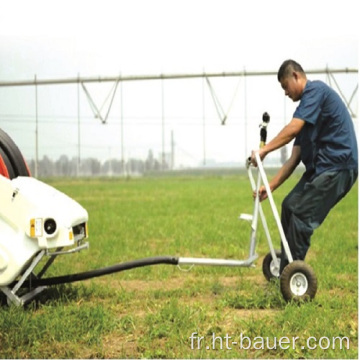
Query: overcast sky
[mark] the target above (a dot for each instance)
(57, 39)
(60, 38)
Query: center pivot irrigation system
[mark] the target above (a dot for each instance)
(37, 221)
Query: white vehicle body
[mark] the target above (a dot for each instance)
(34, 217)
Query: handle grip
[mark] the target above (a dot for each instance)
(263, 134)
(263, 129)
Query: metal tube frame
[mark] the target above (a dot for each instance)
(12, 293)
(261, 179)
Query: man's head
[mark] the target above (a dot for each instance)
(292, 79)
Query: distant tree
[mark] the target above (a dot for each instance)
(46, 167)
(62, 166)
(150, 161)
(90, 166)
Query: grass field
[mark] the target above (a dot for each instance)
(152, 312)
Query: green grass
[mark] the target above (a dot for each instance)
(151, 312)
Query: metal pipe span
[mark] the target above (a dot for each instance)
(98, 79)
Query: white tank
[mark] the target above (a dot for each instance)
(35, 216)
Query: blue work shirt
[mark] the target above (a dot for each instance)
(327, 140)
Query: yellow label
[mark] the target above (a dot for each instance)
(36, 227)
(32, 227)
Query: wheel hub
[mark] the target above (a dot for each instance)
(274, 268)
(298, 284)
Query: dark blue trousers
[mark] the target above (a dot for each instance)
(307, 205)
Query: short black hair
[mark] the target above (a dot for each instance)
(287, 67)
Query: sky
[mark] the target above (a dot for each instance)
(64, 39)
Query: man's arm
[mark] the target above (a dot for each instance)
(286, 170)
(288, 133)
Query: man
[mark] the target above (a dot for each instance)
(325, 142)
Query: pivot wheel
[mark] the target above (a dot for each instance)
(298, 281)
(271, 268)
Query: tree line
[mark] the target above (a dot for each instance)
(69, 167)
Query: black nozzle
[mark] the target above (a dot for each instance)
(263, 126)
(266, 117)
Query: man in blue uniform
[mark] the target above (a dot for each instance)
(325, 142)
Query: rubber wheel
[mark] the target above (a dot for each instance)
(6, 169)
(12, 157)
(298, 282)
(269, 268)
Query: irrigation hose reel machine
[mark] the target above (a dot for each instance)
(39, 223)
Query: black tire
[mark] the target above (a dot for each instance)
(12, 157)
(6, 168)
(270, 270)
(298, 282)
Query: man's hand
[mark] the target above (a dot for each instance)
(262, 193)
(262, 155)
(288, 133)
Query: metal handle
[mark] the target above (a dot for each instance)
(263, 135)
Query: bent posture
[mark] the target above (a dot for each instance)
(325, 142)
